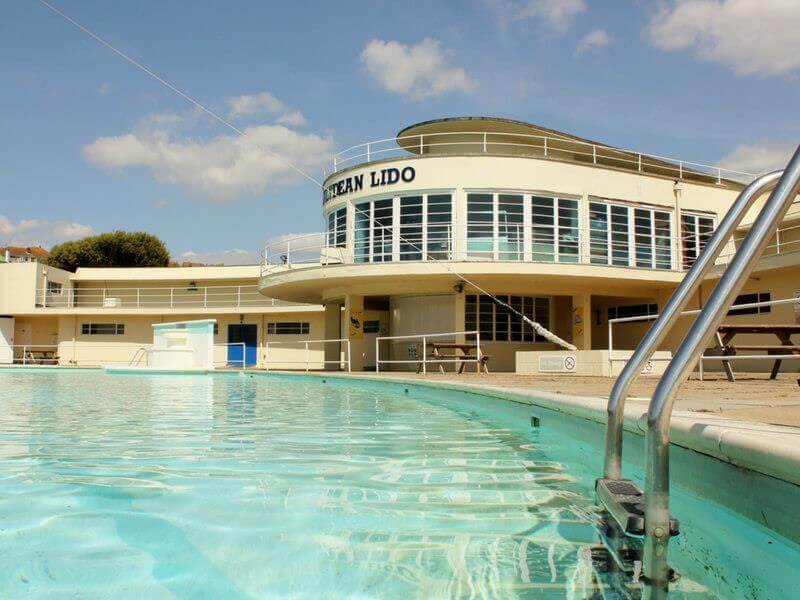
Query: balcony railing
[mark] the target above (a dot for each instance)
(174, 298)
(536, 146)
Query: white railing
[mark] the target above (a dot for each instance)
(423, 345)
(344, 357)
(30, 354)
(687, 313)
(539, 146)
(227, 361)
(785, 241)
(177, 298)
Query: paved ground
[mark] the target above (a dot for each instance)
(753, 397)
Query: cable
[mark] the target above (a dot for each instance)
(536, 326)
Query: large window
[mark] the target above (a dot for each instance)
(554, 231)
(497, 323)
(337, 228)
(629, 236)
(496, 226)
(403, 228)
(102, 329)
(696, 230)
(609, 234)
(288, 328)
(480, 226)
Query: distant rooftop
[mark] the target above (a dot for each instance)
(22, 253)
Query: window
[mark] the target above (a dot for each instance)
(288, 328)
(554, 233)
(480, 226)
(53, 287)
(510, 227)
(337, 228)
(373, 231)
(609, 231)
(632, 310)
(372, 326)
(497, 323)
(439, 228)
(102, 329)
(695, 233)
(411, 228)
(216, 328)
(629, 236)
(751, 299)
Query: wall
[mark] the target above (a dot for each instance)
(18, 287)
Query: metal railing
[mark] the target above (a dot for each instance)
(520, 245)
(177, 298)
(344, 357)
(529, 145)
(424, 359)
(688, 313)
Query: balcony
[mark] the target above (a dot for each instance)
(543, 144)
(176, 299)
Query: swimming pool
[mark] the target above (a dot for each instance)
(229, 486)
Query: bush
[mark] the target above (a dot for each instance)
(114, 249)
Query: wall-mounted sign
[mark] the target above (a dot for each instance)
(356, 325)
(560, 363)
(374, 179)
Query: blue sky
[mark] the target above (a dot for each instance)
(88, 143)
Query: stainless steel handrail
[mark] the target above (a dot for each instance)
(612, 467)
(705, 326)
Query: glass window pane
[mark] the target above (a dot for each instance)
(643, 237)
(382, 227)
(440, 223)
(620, 254)
(480, 226)
(361, 243)
(543, 228)
(510, 226)
(568, 244)
(663, 239)
(598, 233)
(411, 228)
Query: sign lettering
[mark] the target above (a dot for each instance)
(378, 178)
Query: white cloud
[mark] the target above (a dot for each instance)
(594, 40)
(217, 169)
(30, 232)
(234, 256)
(416, 72)
(761, 157)
(556, 14)
(105, 88)
(264, 103)
(751, 37)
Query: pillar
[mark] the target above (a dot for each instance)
(333, 331)
(582, 321)
(354, 328)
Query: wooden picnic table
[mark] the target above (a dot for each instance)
(462, 352)
(784, 333)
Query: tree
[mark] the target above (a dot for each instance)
(113, 249)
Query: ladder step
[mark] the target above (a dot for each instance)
(624, 501)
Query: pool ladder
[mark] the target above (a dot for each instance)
(645, 514)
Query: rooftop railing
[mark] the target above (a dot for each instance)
(173, 298)
(527, 145)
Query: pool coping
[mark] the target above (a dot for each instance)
(772, 450)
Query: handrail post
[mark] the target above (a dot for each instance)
(594, 154)
(377, 355)
(266, 360)
(171, 295)
(670, 313)
(349, 364)
(306, 357)
(545, 146)
(704, 327)
(238, 296)
(205, 297)
(484, 142)
(368, 157)
(24, 355)
(424, 356)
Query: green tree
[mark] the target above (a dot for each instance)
(113, 249)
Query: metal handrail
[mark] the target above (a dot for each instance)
(705, 326)
(486, 141)
(669, 315)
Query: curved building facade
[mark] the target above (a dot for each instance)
(422, 230)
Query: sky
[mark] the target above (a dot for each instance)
(89, 143)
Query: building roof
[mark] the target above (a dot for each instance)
(30, 251)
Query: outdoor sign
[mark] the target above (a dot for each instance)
(376, 179)
(562, 363)
(356, 324)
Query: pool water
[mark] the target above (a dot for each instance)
(233, 486)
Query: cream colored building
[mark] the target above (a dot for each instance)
(567, 231)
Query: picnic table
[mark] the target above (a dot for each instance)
(40, 357)
(463, 353)
(784, 333)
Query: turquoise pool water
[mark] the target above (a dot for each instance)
(229, 486)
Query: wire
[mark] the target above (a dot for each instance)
(536, 326)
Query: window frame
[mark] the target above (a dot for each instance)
(503, 321)
(96, 328)
(700, 238)
(278, 328)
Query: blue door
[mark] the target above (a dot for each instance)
(238, 333)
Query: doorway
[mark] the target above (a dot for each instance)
(239, 333)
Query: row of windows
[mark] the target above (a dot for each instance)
(496, 323)
(516, 227)
(102, 329)
(288, 328)
(632, 310)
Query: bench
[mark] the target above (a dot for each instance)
(461, 353)
(726, 334)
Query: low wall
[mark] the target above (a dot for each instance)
(595, 363)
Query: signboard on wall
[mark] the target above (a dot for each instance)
(356, 324)
(560, 363)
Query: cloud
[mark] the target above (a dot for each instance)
(105, 88)
(218, 169)
(30, 232)
(594, 40)
(264, 103)
(234, 256)
(416, 72)
(556, 14)
(760, 157)
(750, 37)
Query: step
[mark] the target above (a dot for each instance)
(624, 501)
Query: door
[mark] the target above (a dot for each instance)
(238, 333)
(6, 340)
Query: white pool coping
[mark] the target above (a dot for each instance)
(772, 450)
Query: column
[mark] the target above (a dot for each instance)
(354, 327)
(582, 321)
(333, 331)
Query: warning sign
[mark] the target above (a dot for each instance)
(560, 363)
